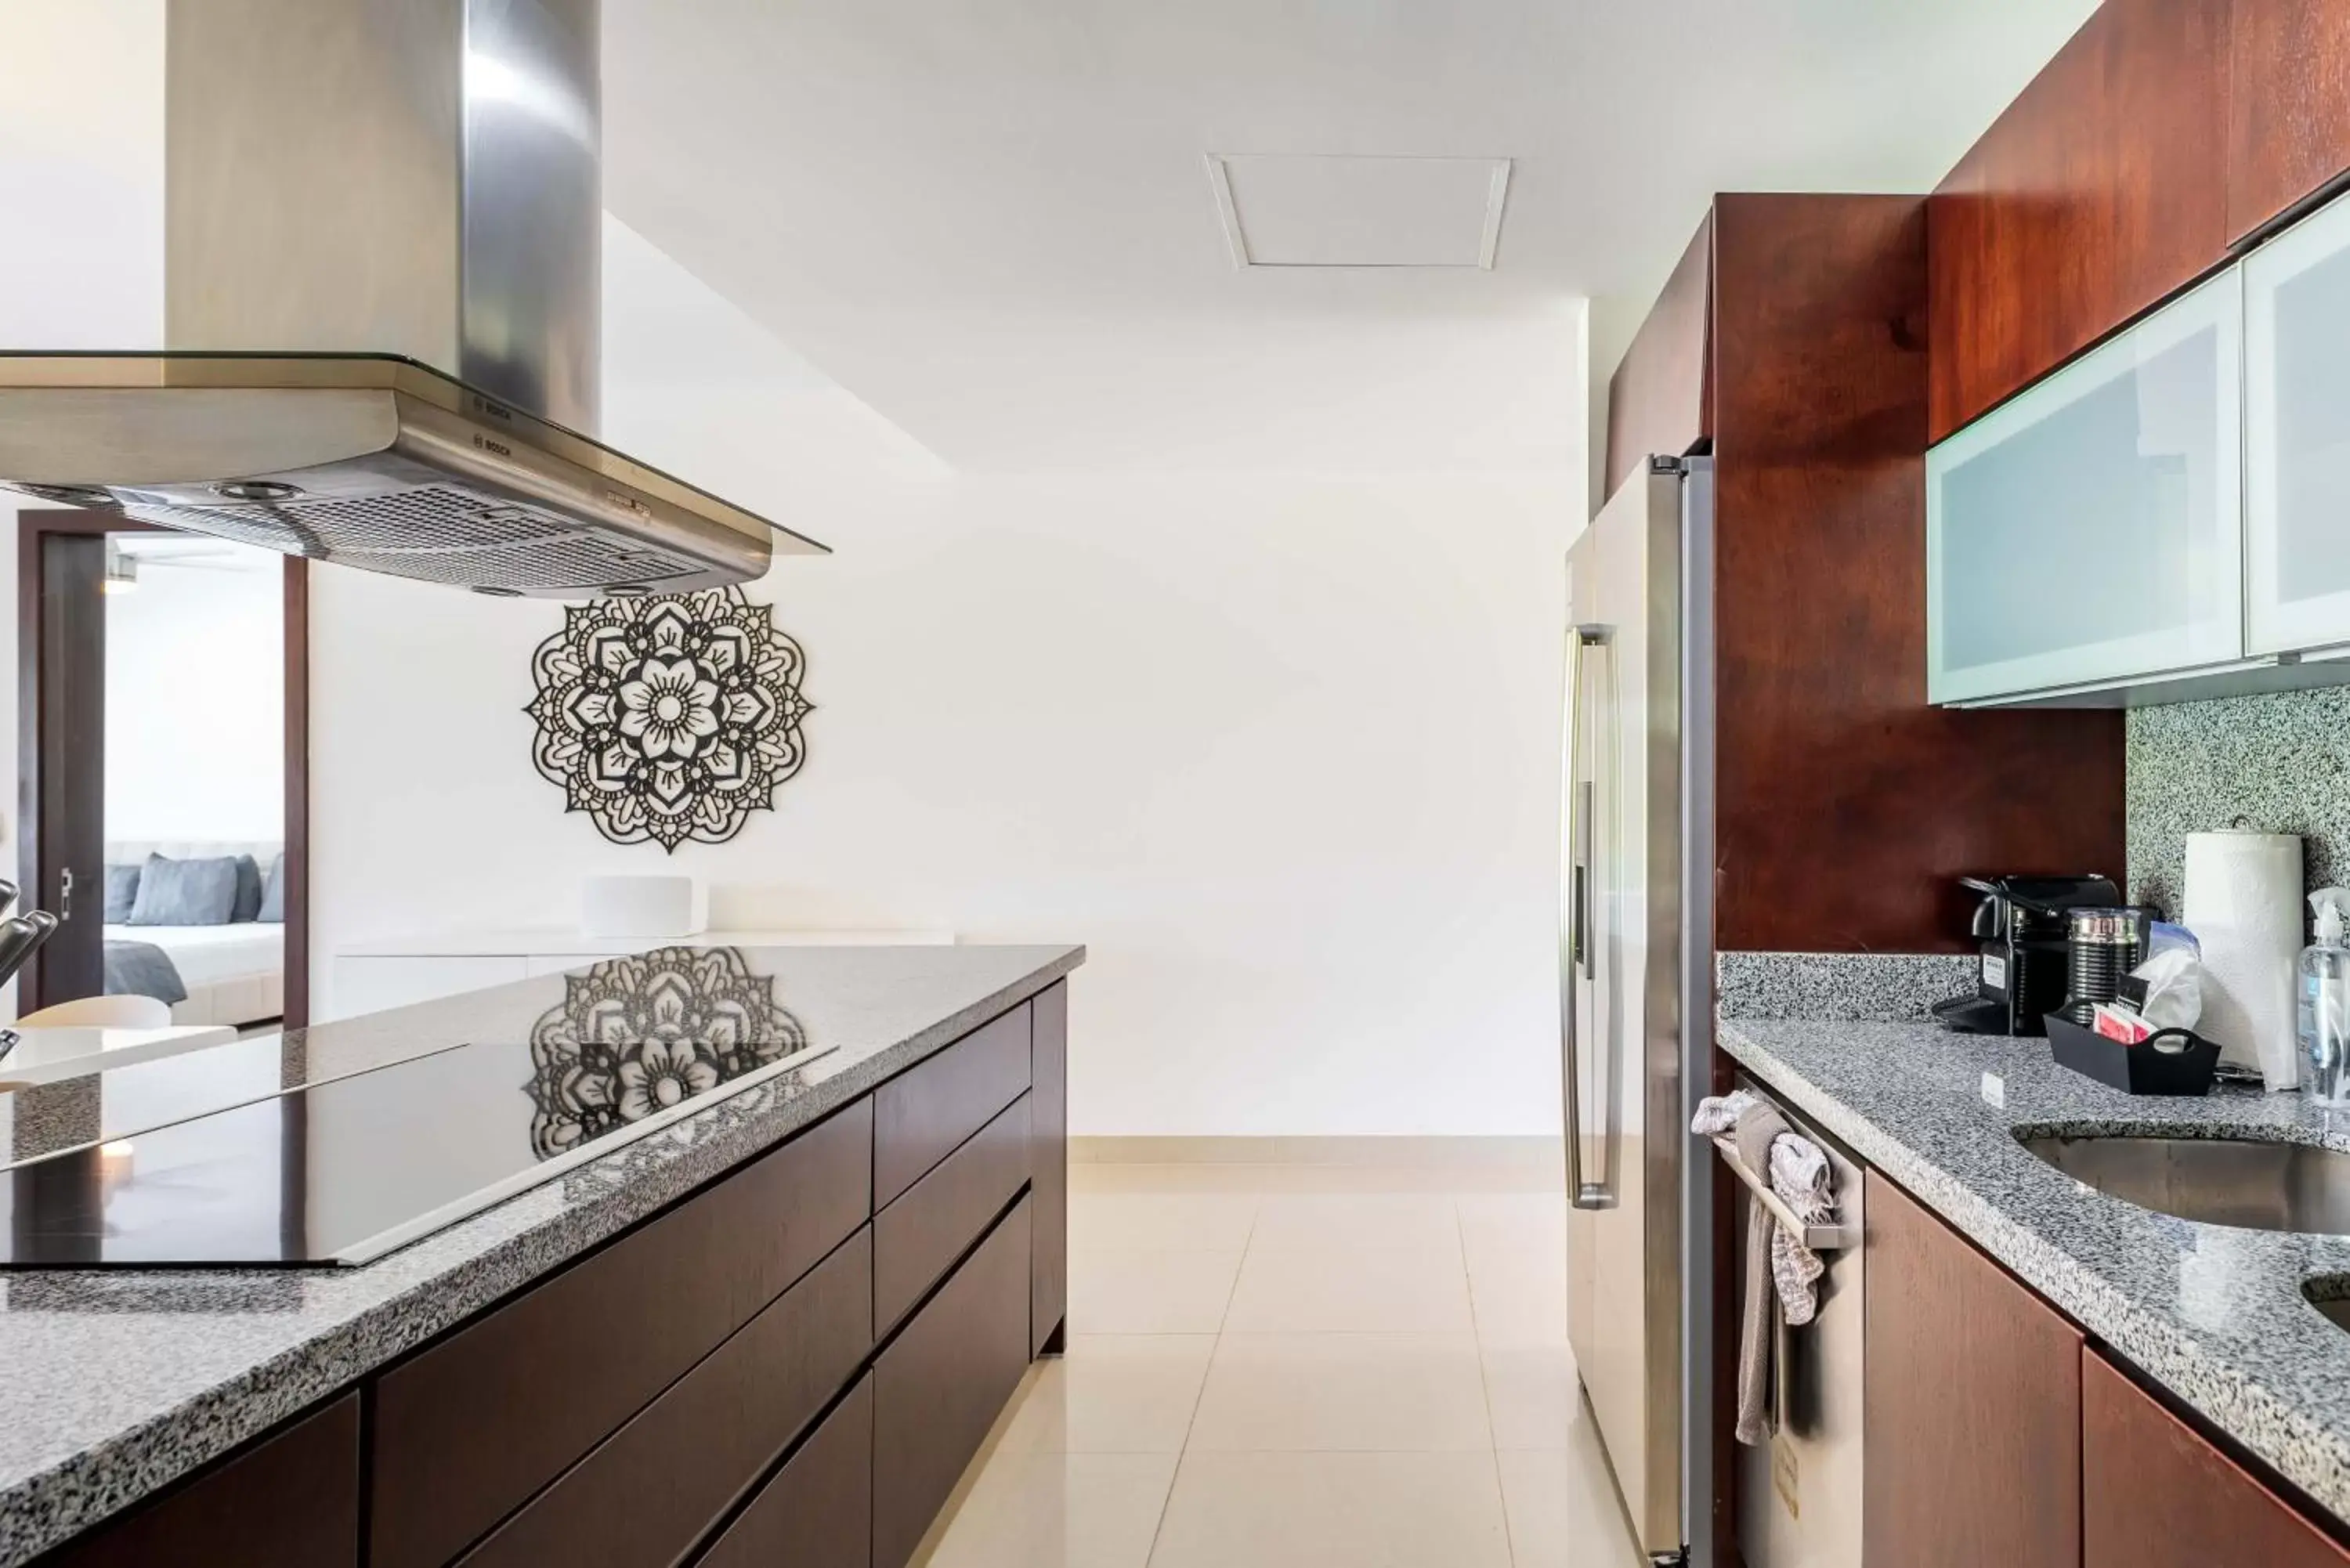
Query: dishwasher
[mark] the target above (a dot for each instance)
(1799, 1495)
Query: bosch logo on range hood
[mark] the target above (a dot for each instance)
(382, 291)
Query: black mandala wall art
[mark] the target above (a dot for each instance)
(637, 1035)
(669, 719)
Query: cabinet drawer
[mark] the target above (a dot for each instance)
(469, 1429)
(922, 1115)
(917, 1239)
(649, 1492)
(938, 1387)
(292, 1503)
(817, 1511)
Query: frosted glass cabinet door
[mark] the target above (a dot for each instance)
(2091, 530)
(2297, 436)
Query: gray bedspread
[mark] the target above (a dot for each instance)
(143, 968)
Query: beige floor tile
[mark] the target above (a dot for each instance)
(1532, 1395)
(1327, 1392)
(1421, 1292)
(1355, 1221)
(1114, 1177)
(1498, 1226)
(1334, 1510)
(1038, 1509)
(1144, 1220)
(1115, 1394)
(1498, 1177)
(1563, 1511)
(1521, 1297)
(1149, 1292)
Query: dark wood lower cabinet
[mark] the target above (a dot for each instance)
(644, 1496)
(918, 1239)
(715, 1387)
(2155, 1494)
(817, 1511)
(1048, 1143)
(470, 1429)
(925, 1112)
(939, 1386)
(291, 1502)
(1972, 1410)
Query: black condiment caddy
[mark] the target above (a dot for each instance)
(2144, 1068)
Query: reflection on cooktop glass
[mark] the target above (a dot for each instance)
(637, 1035)
(342, 1172)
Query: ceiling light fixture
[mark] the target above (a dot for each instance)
(1349, 209)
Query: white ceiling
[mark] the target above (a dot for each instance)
(993, 223)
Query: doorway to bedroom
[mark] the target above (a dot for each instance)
(163, 724)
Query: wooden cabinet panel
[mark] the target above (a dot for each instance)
(1661, 399)
(817, 1511)
(467, 1430)
(923, 1113)
(2288, 118)
(291, 1502)
(1972, 1444)
(2155, 1494)
(917, 1238)
(2101, 191)
(1048, 1189)
(648, 1493)
(1845, 807)
(938, 1387)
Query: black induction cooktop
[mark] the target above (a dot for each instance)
(343, 1171)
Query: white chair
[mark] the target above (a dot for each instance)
(101, 1012)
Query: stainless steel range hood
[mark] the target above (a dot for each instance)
(383, 281)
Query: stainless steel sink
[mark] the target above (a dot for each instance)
(2220, 1182)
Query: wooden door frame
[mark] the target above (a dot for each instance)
(33, 528)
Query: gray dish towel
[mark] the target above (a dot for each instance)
(1759, 1125)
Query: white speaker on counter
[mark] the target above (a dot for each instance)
(633, 907)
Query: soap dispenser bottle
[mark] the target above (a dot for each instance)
(2324, 1012)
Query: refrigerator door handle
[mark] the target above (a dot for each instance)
(1577, 954)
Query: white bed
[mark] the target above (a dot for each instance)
(235, 973)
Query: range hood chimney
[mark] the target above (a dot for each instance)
(383, 302)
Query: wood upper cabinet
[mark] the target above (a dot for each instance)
(2100, 191)
(2155, 1494)
(1661, 399)
(2289, 120)
(1972, 1444)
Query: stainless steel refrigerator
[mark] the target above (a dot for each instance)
(1636, 989)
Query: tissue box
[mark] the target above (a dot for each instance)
(627, 907)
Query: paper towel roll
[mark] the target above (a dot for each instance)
(2243, 904)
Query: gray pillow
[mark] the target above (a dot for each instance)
(185, 892)
(273, 899)
(122, 891)
(248, 891)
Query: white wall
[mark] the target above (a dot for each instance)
(81, 173)
(195, 700)
(81, 179)
(1279, 750)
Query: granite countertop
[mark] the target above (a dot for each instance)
(2215, 1314)
(113, 1383)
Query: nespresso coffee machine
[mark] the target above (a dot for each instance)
(2022, 924)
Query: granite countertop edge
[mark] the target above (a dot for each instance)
(2311, 1453)
(492, 1255)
